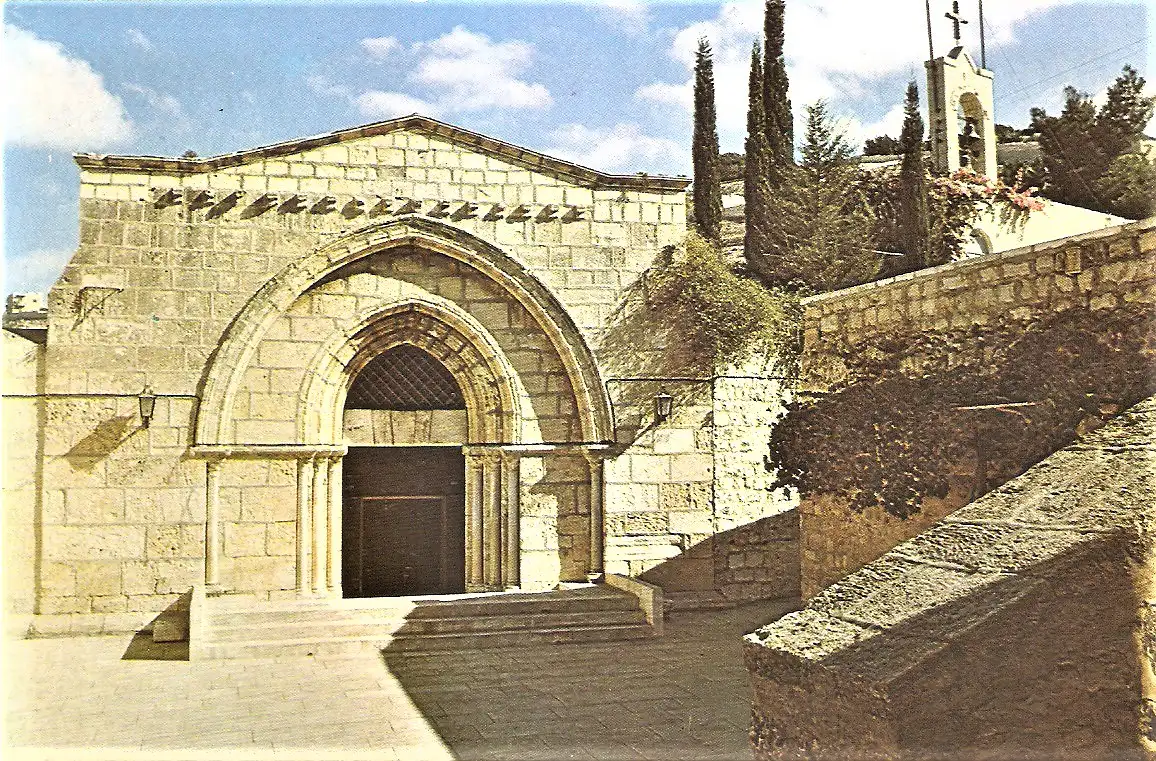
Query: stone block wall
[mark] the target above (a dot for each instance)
(1100, 270)
(555, 517)
(689, 504)
(1025, 615)
(659, 496)
(155, 283)
(183, 274)
(171, 254)
(20, 415)
(258, 499)
(964, 302)
(121, 514)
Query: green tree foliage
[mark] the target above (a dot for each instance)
(1007, 134)
(1080, 144)
(913, 220)
(756, 174)
(822, 236)
(953, 206)
(1130, 183)
(722, 315)
(731, 166)
(780, 129)
(884, 145)
(1072, 157)
(770, 154)
(707, 188)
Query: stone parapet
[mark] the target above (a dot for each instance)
(1101, 270)
(962, 320)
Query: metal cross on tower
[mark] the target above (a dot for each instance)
(956, 19)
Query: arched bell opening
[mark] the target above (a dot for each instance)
(972, 139)
(403, 478)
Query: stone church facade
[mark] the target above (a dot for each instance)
(397, 359)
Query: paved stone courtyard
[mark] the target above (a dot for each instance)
(684, 695)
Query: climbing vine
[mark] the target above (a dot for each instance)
(722, 315)
(896, 429)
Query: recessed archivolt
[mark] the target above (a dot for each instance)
(489, 384)
(226, 370)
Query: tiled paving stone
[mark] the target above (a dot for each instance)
(682, 696)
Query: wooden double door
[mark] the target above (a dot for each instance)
(403, 530)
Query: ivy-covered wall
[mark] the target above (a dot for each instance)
(932, 388)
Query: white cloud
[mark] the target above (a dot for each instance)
(457, 72)
(631, 16)
(857, 133)
(380, 47)
(137, 39)
(623, 147)
(474, 73)
(377, 104)
(833, 48)
(681, 95)
(324, 86)
(55, 101)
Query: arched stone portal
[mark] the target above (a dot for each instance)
(521, 371)
(491, 402)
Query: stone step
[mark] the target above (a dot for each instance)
(373, 627)
(390, 609)
(344, 646)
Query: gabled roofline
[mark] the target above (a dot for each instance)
(507, 151)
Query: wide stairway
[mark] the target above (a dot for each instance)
(232, 627)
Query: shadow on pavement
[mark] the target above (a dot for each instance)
(681, 696)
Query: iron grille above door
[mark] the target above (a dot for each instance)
(405, 378)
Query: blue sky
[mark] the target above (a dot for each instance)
(602, 83)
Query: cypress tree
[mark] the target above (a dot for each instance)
(913, 214)
(770, 182)
(756, 186)
(780, 128)
(707, 187)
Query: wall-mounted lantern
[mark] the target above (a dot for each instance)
(663, 406)
(148, 401)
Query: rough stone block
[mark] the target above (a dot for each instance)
(98, 578)
(244, 539)
(69, 543)
(691, 467)
(697, 522)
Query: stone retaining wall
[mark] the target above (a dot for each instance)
(962, 303)
(1018, 627)
(1099, 270)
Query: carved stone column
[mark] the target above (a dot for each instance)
(475, 496)
(597, 511)
(212, 522)
(320, 511)
(492, 518)
(304, 529)
(335, 508)
(511, 514)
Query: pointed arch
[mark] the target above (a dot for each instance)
(453, 337)
(234, 354)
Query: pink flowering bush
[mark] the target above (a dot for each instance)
(973, 186)
(954, 202)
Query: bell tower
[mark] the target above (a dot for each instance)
(962, 109)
